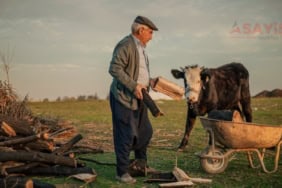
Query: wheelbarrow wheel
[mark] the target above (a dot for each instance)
(213, 165)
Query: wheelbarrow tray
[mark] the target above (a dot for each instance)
(243, 135)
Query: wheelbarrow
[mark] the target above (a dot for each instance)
(228, 137)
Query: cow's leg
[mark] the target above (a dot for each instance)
(247, 110)
(190, 121)
(246, 102)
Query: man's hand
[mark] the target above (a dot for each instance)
(138, 91)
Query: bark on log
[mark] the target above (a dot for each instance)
(37, 157)
(40, 184)
(41, 145)
(21, 127)
(21, 168)
(3, 138)
(68, 145)
(20, 140)
(3, 148)
(57, 170)
(19, 182)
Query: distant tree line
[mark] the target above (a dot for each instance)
(79, 98)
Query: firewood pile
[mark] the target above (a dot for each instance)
(31, 145)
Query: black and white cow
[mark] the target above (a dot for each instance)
(207, 89)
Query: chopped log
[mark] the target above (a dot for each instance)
(21, 127)
(37, 157)
(6, 149)
(200, 180)
(20, 140)
(155, 180)
(161, 177)
(68, 145)
(3, 138)
(21, 168)
(41, 145)
(40, 184)
(88, 178)
(57, 170)
(180, 175)
(19, 182)
(44, 136)
(177, 184)
(167, 87)
(8, 164)
(7, 129)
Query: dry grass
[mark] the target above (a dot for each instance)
(93, 120)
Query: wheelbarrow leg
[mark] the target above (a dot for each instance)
(250, 159)
(276, 159)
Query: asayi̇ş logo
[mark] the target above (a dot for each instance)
(256, 30)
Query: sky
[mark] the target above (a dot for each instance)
(62, 48)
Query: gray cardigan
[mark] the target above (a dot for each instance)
(124, 68)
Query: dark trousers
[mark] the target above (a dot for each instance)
(132, 131)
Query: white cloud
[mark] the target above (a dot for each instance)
(68, 37)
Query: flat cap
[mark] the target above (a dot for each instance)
(145, 21)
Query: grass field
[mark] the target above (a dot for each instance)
(93, 120)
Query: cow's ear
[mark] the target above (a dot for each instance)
(177, 74)
(205, 75)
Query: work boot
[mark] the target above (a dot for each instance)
(139, 167)
(126, 178)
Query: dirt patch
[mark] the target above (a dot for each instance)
(98, 135)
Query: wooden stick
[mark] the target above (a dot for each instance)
(60, 131)
(200, 180)
(177, 184)
(68, 145)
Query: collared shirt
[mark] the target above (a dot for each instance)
(143, 77)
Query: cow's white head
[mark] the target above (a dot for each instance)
(192, 81)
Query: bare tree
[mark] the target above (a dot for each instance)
(6, 59)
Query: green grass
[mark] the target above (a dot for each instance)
(168, 131)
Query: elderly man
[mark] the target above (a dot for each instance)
(129, 67)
